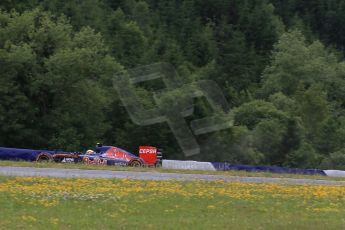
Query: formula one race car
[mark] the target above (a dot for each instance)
(102, 155)
(109, 155)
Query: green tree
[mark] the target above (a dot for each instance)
(127, 41)
(313, 109)
(336, 160)
(331, 137)
(56, 78)
(93, 13)
(303, 157)
(252, 113)
(294, 61)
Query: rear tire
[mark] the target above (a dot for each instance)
(135, 163)
(44, 158)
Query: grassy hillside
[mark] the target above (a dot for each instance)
(41, 203)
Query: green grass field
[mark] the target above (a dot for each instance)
(48, 203)
(161, 170)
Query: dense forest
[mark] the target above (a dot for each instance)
(280, 65)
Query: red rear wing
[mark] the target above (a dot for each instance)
(148, 154)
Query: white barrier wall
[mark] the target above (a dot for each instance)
(195, 165)
(336, 173)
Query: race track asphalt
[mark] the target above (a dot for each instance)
(81, 173)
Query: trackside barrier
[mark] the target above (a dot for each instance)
(219, 166)
(271, 169)
(192, 165)
(335, 173)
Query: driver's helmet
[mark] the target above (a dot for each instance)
(90, 152)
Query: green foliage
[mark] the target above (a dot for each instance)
(239, 147)
(331, 137)
(53, 78)
(296, 62)
(336, 160)
(312, 108)
(268, 138)
(250, 114)
(305, 157)
(278, 63)
(283, 102)
(126, 39)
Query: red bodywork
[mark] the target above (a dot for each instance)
(148, 154)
